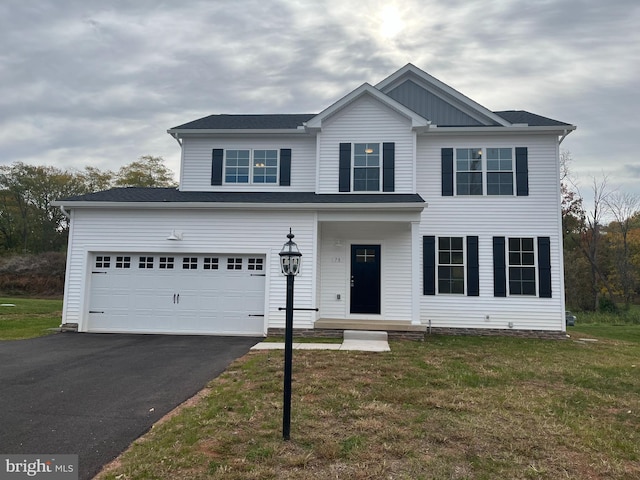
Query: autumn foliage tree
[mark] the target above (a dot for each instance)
(28, 222)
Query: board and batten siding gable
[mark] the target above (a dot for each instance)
(205, 231)
(366, 120)
(196, 165)
(536, 215)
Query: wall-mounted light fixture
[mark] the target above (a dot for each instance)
(175, 235)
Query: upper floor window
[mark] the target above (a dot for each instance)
(265, 166)
(499, 171)
(251, 166)
(366, 167)
(469, 171)
(485, 171)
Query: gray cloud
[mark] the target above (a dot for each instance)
(100, 82)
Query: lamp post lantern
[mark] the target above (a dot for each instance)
(290, 258)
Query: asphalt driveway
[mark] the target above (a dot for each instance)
(93, 394)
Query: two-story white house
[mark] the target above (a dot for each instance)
(413, 207)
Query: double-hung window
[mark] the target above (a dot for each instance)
(366, 167)
(251, 166)
(522, 266)
(469, 171)
(499, 171)
(451, 265)
(484, 171)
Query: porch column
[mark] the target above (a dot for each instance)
(415, 273)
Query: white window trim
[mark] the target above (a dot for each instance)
(535, 268)
(353, 167)
(251, 165)
(484, 171)
(464, 263)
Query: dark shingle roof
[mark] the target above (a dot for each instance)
(292, 121)
(533, 120)
(171, 195)
(258, 122)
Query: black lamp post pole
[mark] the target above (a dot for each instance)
(288, 357)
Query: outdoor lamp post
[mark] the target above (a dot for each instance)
(290, 258)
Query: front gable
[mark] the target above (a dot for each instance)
(366, 120)
(365, 91)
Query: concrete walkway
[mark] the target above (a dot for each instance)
(354, 340)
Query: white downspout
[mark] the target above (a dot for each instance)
(64, 212)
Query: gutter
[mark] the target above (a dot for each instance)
(406, 206)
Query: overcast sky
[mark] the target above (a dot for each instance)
(98, 82)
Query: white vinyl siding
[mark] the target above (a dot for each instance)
(529, 216)
(196, 163)
(205, 231)
(365, 121)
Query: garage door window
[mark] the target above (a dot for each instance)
(123, 262)
(234, 264)
(255, 264)
(190, 263)
(166, 263)
(145, 262)
(210, 263)
(103, 262)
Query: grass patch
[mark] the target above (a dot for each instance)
(29, 317)
(451, 407)
(629, 317)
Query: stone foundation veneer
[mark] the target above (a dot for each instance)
(421, 336)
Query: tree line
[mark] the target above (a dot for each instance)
(28, 222)
(601, 244)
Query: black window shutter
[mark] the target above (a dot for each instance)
(499, 268)
(388, 166)
(522, 171)
(285, 167)
(473, 268)
(447, 172)
(544, 267)
(217, 156)
(344, 179)
(429, 265)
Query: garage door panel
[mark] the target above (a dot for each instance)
(205, 293)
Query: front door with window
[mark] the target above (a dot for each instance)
(365, 279)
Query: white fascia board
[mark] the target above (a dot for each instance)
(440, 89)
(404, 206)
(240, 131)
(365, 89)
(558, 130)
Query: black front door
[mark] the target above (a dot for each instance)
(365, 278)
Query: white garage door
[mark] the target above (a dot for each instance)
(169, 293)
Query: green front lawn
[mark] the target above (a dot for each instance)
(28, 318)
(448, 408)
